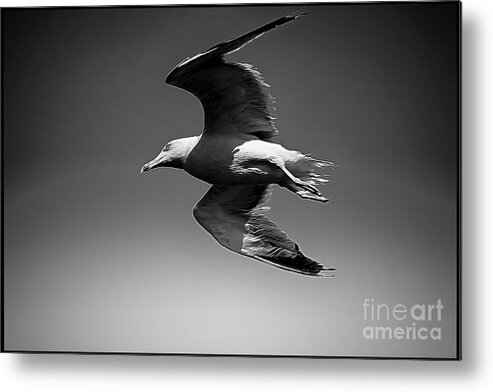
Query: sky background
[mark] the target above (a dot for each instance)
(98, 257)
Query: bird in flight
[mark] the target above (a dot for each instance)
(236, 155)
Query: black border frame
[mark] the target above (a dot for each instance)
(458, 356)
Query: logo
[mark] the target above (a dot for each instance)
(401, 322)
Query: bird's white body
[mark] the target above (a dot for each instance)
(234, 161)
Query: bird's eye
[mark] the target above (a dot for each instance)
(167, 147)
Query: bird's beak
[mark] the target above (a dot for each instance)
(145, 168)
(159, 161)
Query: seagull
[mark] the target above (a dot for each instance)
(236, 155)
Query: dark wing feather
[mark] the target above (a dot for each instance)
(232, 216)
(233, 95)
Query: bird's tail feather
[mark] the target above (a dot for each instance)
(310, 170)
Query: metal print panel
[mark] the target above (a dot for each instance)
(327, 226)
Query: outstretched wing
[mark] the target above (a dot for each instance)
(232, 215)
(233, 95)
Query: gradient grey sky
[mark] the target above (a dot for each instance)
(101, 258)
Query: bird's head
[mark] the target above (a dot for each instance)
(174, 154)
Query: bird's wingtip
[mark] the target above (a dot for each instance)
(327, 273)
(296, 14)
